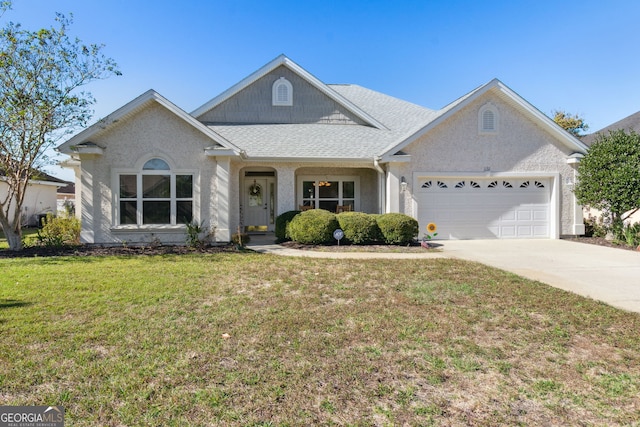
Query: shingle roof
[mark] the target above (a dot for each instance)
(39, 175)
(332, 141)
(631, 122)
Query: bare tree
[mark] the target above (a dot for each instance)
(41, 76)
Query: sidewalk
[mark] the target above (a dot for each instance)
(266, 244)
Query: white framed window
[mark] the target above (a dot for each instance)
(282, 92)
(488, 119)
(329, 192)
(155, 195)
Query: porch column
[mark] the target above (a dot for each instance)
(286, 194)
(89, 210)
(578, 228)
(223, 169)
(393, 188)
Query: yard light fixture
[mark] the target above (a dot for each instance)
(403, 184)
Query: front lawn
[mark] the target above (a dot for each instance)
(248, 339)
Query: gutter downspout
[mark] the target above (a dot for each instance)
(381, 185)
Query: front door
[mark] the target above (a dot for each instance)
(259, 204)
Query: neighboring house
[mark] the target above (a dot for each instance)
(631, 122)
(66, 198)
(488, 165)
(627, 124)
(39, 199)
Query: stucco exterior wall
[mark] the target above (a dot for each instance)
(151, 132)
(519, 146)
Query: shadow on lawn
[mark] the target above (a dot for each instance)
(10, 303)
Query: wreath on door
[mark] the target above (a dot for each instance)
(255, 190)
(255, 194)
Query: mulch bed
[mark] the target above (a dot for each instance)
(94, 250)
(601, 241)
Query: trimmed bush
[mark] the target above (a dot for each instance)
(282, 221)
(313, 227)
(397, 228)
(59, 231)
(359, 228)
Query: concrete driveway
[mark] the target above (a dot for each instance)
(605, 274)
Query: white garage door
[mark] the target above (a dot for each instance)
(481, 208)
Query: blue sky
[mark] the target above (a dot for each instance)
(576, 55)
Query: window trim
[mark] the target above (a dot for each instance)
(139, 199)
(275, 99)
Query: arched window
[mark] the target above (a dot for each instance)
(155, 195)
(282, 92)
(488, 119)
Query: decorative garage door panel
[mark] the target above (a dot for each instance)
(481, 208)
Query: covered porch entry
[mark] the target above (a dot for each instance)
(258, 200)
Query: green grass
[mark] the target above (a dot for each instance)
(260, 340)
(28, 234)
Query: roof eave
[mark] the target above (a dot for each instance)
(569, 140)
(139, 102)
(332, 160)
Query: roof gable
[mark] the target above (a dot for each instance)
(506, 94)
(151, 96)
(350, 108)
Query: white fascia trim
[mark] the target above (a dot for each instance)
(219, 151)
(70, 163)
(574, 159)
(93, 149)
(568, 139)
(451, 109)
(398, 158)
(332, 161)
(139, 102)
(283, 60)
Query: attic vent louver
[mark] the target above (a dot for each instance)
(488, 119)
(282, 92)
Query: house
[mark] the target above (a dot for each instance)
(629, 123)
(39, 198)
(488, 165)
(66, 198)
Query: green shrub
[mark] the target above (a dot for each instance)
(397, 228)
(631, 234)
(282, 221)
(313, 227)
(59, 231)
(359, 228)
(199, 235)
